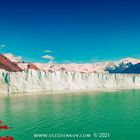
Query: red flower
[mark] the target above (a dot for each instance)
(6, 138)
(2, 126)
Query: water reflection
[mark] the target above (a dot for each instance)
(82, 112)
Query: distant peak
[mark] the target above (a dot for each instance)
(130, 60)
(13, 58)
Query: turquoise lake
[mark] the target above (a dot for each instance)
(116, 113)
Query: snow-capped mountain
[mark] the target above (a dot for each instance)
(122, 65)
(129, 60)
(98, 67)
(13, 58)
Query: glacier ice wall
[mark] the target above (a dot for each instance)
(32, 81)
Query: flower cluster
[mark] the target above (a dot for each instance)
(5, 127)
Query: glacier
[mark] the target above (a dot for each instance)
(34, 81)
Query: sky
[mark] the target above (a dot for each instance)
(70, 30)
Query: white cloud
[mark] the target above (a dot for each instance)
(48, 57)
(2, 46)
(47, 51)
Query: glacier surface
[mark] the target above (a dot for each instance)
(34, 81)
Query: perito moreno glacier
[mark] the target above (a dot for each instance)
(17, 76)
(32, 81)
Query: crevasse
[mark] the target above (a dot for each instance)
(33, 81)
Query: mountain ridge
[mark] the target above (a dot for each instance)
(14, 64)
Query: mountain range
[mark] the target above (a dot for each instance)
(11, 63)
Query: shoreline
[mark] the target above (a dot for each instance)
(66, 92)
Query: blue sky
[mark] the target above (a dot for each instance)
(74, 30)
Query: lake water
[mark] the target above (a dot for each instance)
(115, 113)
